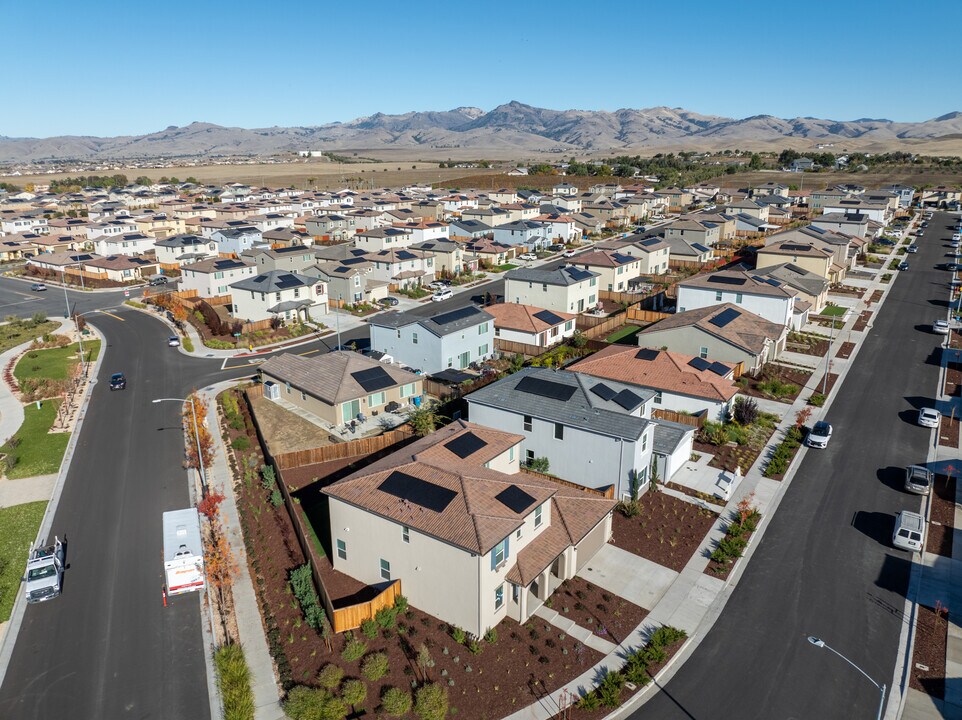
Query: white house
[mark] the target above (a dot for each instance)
(126, 244)
(214, 276)
(450, 339)
(110, 228)
(183, 249)
(404, 268)
(384, 238)
(278, 293)
(522, 232)
(234, 241)
(471, 538)
(564, 289)
(530, 325)
(765, 297)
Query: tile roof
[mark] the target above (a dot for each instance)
(747, 330)
(523, 318)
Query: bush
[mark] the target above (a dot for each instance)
(375, 666)
(234, 683)
(666, 635)
(304, 703)
(745, 411)
(187, 344)
(491, 636)
(241, 442)
(431, 702)
(816, 399)
(459, 635)
(302, 583)
(354, 692)
(396, 702)
(330, 676)
(400, 604)
(386, 617)
(354, 649)
(277, 499)
(539, 464)
(369, 629)
(609, 691)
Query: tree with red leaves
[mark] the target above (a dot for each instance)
(209, 506)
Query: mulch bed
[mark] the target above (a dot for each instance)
(667, 531)
(876, 296)
(608, 616)
(953, 378)
(684, 489)
(862, 321)
(931, 632)
(794, 376)
(845, 352)
(722, 570)
(942, 518)
(949, 432)
(808, 345)
(829, 383)
(846, 290)
(955, 339)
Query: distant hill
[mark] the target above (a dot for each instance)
(512, 126)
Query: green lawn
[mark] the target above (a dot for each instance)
(20, 331)
(53, 362)
(833, 311)
(18, 528)
(39, 451)
(625, 335)
(504, 268)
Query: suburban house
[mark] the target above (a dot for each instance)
(565, 189)
(384, 238)
(488, 216)
(424, 230)
(588, 223)
(855, 224)
(450, 339)
(295, 258)
(472, 539)
(811, 289)
(468, 229)
(694, 232)
(404, 268)
(844, 250)
(121, 268)
(615, 269)
(529, 233)
(748, 225)
(60, 261)
(879, 212)
(278, 293)
(566, 289)
(330, 228)
(234, 241)
(108, 228)
(214, 276)
(806, 255)
(530, 325)
(653, 253)
(802, 164)
(766, 298)
(594, 433)
(181, 249)
(681, 250)
(559, 226)
(681, 383)
(348, 281)
(724, 333)
(338, 386)
(448, 255)
(126, 244)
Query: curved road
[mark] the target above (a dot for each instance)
(825, 565)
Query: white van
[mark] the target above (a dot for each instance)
(909, 532)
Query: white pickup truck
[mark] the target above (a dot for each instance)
(45, 566)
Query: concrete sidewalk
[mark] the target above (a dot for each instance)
(24, 490)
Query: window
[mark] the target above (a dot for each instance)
(644, 442)
(544, 287)
(303, 395)
(527, 423)
(592, 282)
(738, 297)
(657, 398)
(515, 592)
(342, 550)
(538, 515)
(297, 292)
(357, 281)
(703, 352)
(482, 328)
(385, 570)
(511, 454)
(499, 597)
(375, 399)
(499, 554)
(288, 386)
(407, 390)
(483, 350)
(406, 534)
(218, 276)
(414, 338)
(277, 296)
(529, 456)
(399, 333)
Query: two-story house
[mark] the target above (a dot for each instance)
(384, 238)
(403, 268)
(278, 293)
(766, 298)
(184, 249)
(214, 276)
(295, 258)
(449, 339)
(126, 244)
(695, 232)
(529, 233)
(567, 289)
(234, 241)
(530, 325)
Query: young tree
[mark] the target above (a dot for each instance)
(197, 434)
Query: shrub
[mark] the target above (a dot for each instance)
(629, 508)
(431, 702)
(609, 690)
(268, 477)
(354, 692)
(459, 635)
(354, 649)
(334, 708)
(539, 464)
(241, 442)
(396, 702)
(474, 647)
(400, 604)
(491, 636)
(369, 628)
(816, 399)
(666, 635)
(330, 676)
(234, 682)
(386, 617)
(187, 344)
(277, 499)
(745, 411)
(302, 583)
(589, 702)
(375, 666)
(304, 703)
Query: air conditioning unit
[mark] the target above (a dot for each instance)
(272, 391)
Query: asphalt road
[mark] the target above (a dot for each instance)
(825, 566)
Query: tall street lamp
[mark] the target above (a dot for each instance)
(881, 688)
(200, 455)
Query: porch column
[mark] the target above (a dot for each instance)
(522, 602)
(543, 585)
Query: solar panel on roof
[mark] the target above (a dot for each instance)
(603, 391)
(548, 317)
(628, 400)
(418, 491)
(577, 274)
(545, 388)
(515, 499)
(646, 354)
(455, 315)
(699, 363)
(726, 280)
(287, 280)
(724, 317)
(773, 282)
(465, 445)
(373, 379)
(650, 241)
(719, 368)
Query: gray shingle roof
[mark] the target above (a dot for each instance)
(440, 324)
(563, 276)
(668, 436)
(274, 281)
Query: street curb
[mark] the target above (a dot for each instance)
(8, 641)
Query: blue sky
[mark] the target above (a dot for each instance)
(109, 68)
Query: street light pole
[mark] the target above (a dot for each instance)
(881, 688)
(828, 357)
(200, 455)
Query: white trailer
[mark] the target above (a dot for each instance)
(183, 552)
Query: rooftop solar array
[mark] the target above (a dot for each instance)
(373, 379)
(650, 241)
(515, 499)
(724, 317)
(699, 363)
(719, 368)
(796, 248)
(577, 274)
(545, 388)
(465, 445)
(548, 317)
(628, 400)
(455, 315)
(647, 354)
(726, 280)
(603, 391)
(287, 280)
(417, 491)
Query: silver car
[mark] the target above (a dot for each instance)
(918, 480)
(909, 531)
(819, 435)
(930, 418)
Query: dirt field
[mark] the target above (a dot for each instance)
(285, 431)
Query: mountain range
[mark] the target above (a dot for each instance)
(512, 128)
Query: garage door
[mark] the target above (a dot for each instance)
(592, 543)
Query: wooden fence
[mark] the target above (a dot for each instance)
(511, 347)
(672, 416)
(608, 492)
(343, 450)
(600, 329)
(622, 297)
(351, 617)
(645, 316)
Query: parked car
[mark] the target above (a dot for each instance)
(159, 280)
(569, 253)
(903, 265)
(929, 417)
(886, 241)
(909, 533)
(38, 287)
(912, 249)
(956, 237)
(952, 266)
(920, 233)
(389, 301)
(442, 295)
(918, 479)
(819, 435)
(173, 341)
(527, 256)
(955, 243)
(924, 225)
(118, 382)
(436, 285)
(940, 327)
(556, 248)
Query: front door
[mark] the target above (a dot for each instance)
(465, 359)
(581, 305)
(350, 410)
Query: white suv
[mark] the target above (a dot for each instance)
(909, 532)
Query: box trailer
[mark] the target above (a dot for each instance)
(183, 552)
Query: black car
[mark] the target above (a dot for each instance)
(389, 301)
(886, 241)
(903, 265)
(118, 382)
